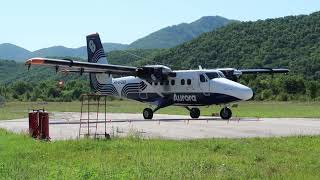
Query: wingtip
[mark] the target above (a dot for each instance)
(35, 61)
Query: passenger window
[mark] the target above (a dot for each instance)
(202, 78)
(167, 82)
(156, 83)
(182, 81)
(189, 81)
(161, 83)
(173, 82)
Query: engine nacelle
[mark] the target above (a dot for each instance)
(155, 73)
(231, 73)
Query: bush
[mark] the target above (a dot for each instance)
(67, 96)
(2, 101)
(282, 97)
(266, 94)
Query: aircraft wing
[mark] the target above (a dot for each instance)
(263, 70)
(234, 74)
(156, 73)
(68, 65)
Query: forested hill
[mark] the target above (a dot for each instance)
(174, 35)
(13, 52)
(292, 42)
(164, 38)
(80, 52)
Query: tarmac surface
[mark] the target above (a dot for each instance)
(66, 126)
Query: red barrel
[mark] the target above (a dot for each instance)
(33, 124)
(44, 125)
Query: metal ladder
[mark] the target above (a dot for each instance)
(91, 104)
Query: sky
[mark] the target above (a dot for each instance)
(36, 24)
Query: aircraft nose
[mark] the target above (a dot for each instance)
(228, 87)
(246, 93)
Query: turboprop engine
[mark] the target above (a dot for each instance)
(155, 73)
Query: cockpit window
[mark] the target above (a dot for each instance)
(212, 75)
(202, 78)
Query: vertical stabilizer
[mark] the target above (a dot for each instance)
(96, 55)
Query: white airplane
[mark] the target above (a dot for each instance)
(158, 84)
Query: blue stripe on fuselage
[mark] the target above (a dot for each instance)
(198, 99)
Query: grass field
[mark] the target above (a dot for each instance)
(132, 158)
(13, 110)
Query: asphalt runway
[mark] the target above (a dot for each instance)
(66, 126)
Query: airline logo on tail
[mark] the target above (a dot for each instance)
(92, 46)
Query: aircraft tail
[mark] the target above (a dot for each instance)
(96, 55)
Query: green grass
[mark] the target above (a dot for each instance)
(13, 110)
(132, 158)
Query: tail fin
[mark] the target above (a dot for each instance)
(96, 55)
(95, 49)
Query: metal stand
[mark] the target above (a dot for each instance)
(91, 104)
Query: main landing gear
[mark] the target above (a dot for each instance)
(225, 113)
(147, 113)
(194, 112)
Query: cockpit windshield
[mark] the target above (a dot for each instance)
(221, 74)
(213, 75)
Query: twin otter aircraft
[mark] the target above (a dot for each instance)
(157, 84)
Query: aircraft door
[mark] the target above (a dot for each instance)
(142, 90)
(204, 84)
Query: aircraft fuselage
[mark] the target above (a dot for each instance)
(187, 88)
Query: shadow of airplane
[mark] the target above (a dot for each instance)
(157, 120)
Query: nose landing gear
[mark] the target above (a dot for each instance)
(225, 113)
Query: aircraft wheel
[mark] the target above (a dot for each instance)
(195, 113)
(147, 113)
(225, 113)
